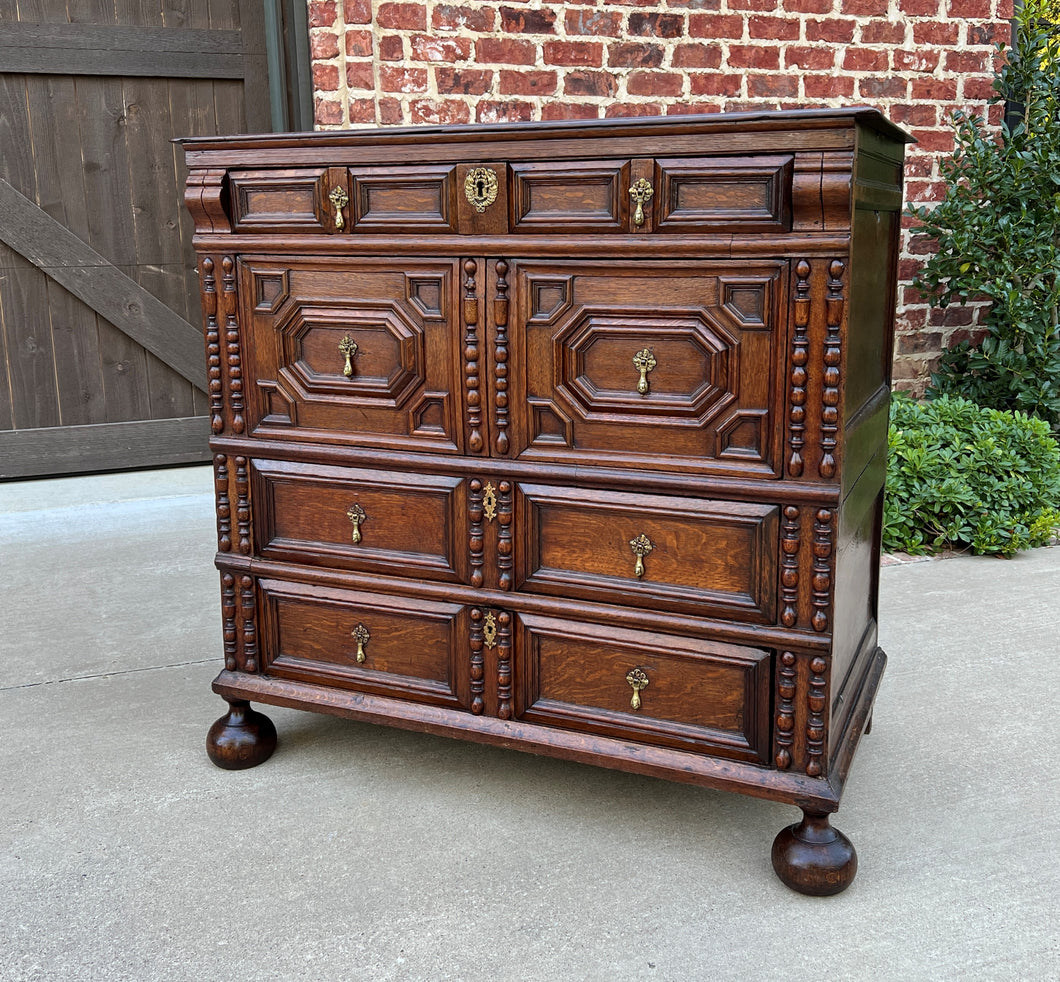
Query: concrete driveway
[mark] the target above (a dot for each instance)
(365, 853)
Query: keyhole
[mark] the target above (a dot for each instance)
(480, 187)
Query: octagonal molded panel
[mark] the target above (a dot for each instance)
(696, 372)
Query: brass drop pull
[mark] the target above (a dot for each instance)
(362, 637)
(637, 680)
(339, 200)
(357, 515)
(640, 193)
(348, 347)
(641, 546)
(644, 361)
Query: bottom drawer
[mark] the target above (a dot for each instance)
(387, 646)
(696, 695)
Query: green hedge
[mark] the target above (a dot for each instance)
(963, 477)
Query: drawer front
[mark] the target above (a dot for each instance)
(279, 200)
(353, 346)
(724, 194)
(645, 364)
(402, 199)
(373, 521)
(699, 695)
(387, 646)
(569, 197)
(686, 555)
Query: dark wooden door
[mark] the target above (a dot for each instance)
(100, 343)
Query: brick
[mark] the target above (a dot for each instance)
(593, 22)
(322, 45)
(818, 58)
(966, 62)
(393, 79)
(359, 44)
(836, 29)
(715, 26)
(772, 86)
(528, 83)
(919, 342)
(952, 316)
(327, 112)
(939, 33)
(828, 86)
(714, 83)
(322, 13)
(696, 5)
(989, 34)
(462, 81)
(938, 140)
(696, 56)
(505, 51)
(774, 28)
(631, 55)
(443, 111)
(428, 48)
(883, 32)
(977, 89)
(889, 86)
(808, 6)
(457, 17)
(390, 113)
(971, 9)
(392, 48)
(624, 109)
(933, 90)
(598, 84)
(761, 5)
(920, 60)
(402, 16)
(362, 110)
(655, 83)
(569, 110)
(357, 12)
(920, 8)
(325, 77)
(656, 25)
(515, 20)
(504, 112)
(864, 8)
(686, 108)
(360, 75)
(749, 56)
(866, 60)
(913, 115)
(589, 53)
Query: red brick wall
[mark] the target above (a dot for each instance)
(380, 63)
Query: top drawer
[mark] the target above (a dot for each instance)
(670, 195)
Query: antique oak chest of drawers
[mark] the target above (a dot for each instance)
(567, 438)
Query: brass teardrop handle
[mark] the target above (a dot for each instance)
(641, 192)
(641, 546)
(644, 361)
(339, 200)
(348, 347)
(357, 515)
(637, 680)
(362, 637)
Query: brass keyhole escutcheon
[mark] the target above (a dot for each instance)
(637, 680)
(480, 188)
(641, 546)
(644, 361)
(348, 347)
(358, 516)
(339, 200)
(489, 502)
(489, 631)
(362, 637)
(641, 192)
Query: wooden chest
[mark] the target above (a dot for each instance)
(568, 438)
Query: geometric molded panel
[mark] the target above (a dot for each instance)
(270, 290)
(744, 437)
(549, 426)
(549, 297)
(428, 417)
(695, 374)
(427, 294)
(749, 301)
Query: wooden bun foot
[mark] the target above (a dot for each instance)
(241, 738)
(814, 858)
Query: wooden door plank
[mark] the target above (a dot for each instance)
(104, 446)
(89, 276)
(257, 112)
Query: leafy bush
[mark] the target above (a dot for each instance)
(997, 233)
(960, 476)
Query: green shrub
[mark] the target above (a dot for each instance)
(959, 476)
(997, 233)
